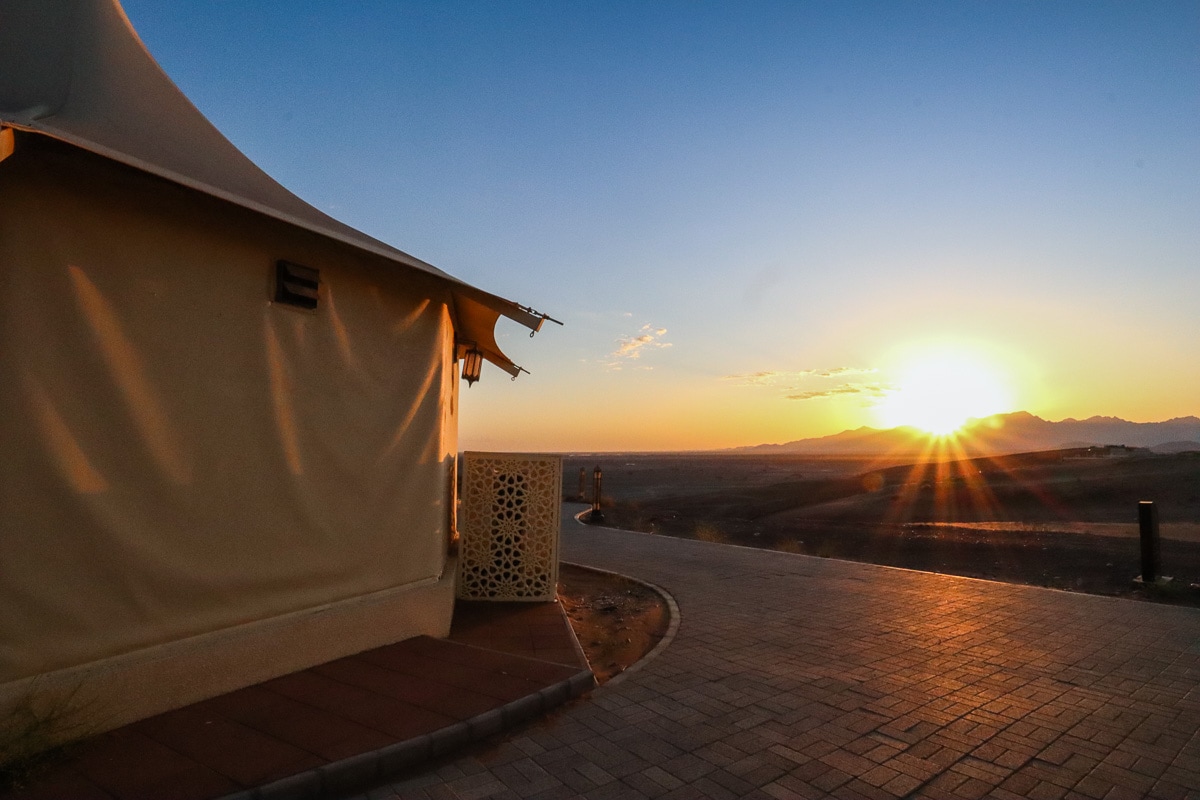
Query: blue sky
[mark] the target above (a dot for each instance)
(752, 215)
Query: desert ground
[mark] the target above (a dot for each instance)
(1061, 519)
(617, 621)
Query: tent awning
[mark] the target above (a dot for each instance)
(76, 70)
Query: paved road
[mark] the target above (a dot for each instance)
(793, 676)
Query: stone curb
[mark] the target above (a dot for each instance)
(672, 623)
(366, 769)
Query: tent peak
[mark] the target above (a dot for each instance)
(76, 71)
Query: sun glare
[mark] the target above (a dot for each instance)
(939, 392)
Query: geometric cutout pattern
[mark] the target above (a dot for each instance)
(508, 530)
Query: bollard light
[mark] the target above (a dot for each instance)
(597, 475)
(1148, 533)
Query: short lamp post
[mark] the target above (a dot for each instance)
(472, 365)
(597, 515)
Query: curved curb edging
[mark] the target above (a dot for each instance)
(362, 771)
(365, 770)
(663, 643)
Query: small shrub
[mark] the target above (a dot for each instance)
(825, 549)
(707, 532)
(32, 738)
(1172, 591)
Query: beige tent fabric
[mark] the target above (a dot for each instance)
(182, 455)
(76, 70)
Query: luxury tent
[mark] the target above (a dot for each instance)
(227, 421)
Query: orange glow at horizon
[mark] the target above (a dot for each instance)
(940, 390)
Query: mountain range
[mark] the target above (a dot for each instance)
(1018, 432)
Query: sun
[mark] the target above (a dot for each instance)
(939, 391)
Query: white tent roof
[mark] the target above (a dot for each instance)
(76, 70)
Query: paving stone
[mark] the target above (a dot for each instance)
(797, 677)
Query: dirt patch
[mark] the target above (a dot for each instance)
(616, 620)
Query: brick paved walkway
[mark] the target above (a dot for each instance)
(336, 724)
(794, 676)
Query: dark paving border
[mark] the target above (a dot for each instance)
(336, 727)
(366, 769)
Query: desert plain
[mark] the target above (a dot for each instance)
(1065, 519)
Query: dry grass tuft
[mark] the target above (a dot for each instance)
(34, 734)
(707, 532)
(791, 546)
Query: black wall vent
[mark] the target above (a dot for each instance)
(296, 285)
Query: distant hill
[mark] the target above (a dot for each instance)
(1018, 432)
(1167, 448)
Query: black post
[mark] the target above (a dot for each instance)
(1148, 523)
(597, 515)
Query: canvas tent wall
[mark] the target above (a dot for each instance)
(201, 488)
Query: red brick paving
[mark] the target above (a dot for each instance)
(496, 652)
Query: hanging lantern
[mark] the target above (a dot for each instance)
(472, 365)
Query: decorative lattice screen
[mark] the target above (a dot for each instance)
(508, 548)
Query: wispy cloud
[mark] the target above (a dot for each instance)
(767, 378)
(868, 389)
(836, 371)
(788, 379)
(630, 348)
(812, 384)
